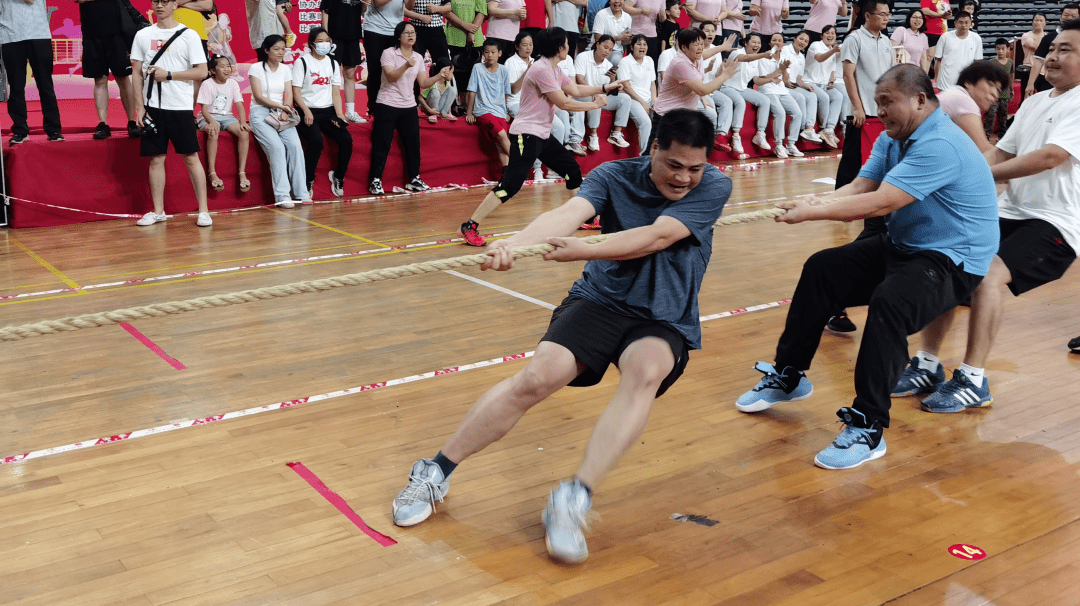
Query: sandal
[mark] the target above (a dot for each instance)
(245, 185)
(216, 182)
(433, 118)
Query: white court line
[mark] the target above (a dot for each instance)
(185, 423)
(512, 293)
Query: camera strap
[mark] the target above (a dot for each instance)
(150, 89)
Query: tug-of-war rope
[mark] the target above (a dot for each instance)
(157, 310)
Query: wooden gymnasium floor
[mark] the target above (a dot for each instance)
(211, 514)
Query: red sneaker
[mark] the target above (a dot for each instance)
(472, 237)
(723, 143)
(592, 225)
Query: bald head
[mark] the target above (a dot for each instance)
(909, 80)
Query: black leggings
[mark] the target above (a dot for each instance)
(407, 124)
(524, 151)
(431, 39)
(326, 123)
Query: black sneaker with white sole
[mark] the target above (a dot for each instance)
(376, 187)
(841, 323)
(17, 139)
(102, 131)
(417, 185)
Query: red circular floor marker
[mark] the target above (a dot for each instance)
(967, 552)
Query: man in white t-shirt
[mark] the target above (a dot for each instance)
(1039, 157)
(956, 50)
(164, 89)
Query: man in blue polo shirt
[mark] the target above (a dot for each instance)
(942, 235)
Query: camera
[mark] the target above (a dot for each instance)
(149, 128)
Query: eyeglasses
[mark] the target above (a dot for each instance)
(886, 15)
(160, 2)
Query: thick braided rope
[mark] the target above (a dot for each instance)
(157, 310)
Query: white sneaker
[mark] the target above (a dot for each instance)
(204, 220)
(564, 518)
(416, 502)
(538, 174)
(618, 140)
(355, 118)
(284, 204)
(781, 152)
(150, 219)
(810, 135)
(594, 142)
(759, 140)
(337, 187)
(553, 175)
(794, 151)
(736, 144)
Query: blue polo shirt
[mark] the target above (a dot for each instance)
(955, 208)
(664, 285)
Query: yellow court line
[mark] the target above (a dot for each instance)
(333, 229)
(56, 272)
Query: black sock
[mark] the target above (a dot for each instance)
(446, 465)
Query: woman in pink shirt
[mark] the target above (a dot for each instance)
(913, 39)
(395, 107)
(822, 13)
(504, 23)
(768, 15)
(643, 15)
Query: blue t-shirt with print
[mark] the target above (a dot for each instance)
(664, 285)
(491, 90)
(955, 211)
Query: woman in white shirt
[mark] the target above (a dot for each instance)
(272, 94)
(771, 73)
(638, 70)
(615, 22)
(822, 63)
(803, 92)
(516, 66)
(719, 107)
(737, 85)
(317, 92)
(594, 69)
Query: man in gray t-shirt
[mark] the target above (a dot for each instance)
(635, 306)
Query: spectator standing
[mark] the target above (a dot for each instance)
(567, 14)
(380, 21)
(428, 17)
(667, 28)
(734, 22)
(265, 18)
(913, 38)
(1030, 42)
(272, 97)
(395, 106)
(489, 86)
(935, 12)
(768, 16)
(316, 88)
(343, 22)
(643, 20)
(217, 97)
(822, 64)
(164, 75)
(106, 49)
(27, 39)
(822, 13)
(706, 11)
(956, 50)
(504, 23)
(1038, 81)
(615, 22)
(463, 33)
(537, 13)
(1000, 110)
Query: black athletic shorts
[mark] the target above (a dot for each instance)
(172, 125)
(106, 54)
(524, 150)
(598, 336)
(1035, 253)
(931, 40)
(347, 53)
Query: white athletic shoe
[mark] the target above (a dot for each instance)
(759, 140)
(150, 219)
(285, 204)
(355, 118)
(538, 174)
(594, 142)
(204, 220)
(781, 152)
(810, 135)
(794, 151)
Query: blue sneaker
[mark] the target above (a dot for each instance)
(416, 502)
(915, 380)
(564, 517)
(958, 394)
(774, 387)
(855, 445)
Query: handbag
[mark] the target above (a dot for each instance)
(282, 125)
(131, 20)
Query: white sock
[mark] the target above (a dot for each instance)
(350, 108)
(975, 375)
(928, 361)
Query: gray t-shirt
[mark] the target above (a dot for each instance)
(664, 285)
(565, 15)
(872, 56)
(384, 20)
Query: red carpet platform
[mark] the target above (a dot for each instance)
(110, 177)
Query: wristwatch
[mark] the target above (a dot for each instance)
(168, 75)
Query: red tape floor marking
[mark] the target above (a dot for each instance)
(183, 424)
(338, 502)
(145, 340)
